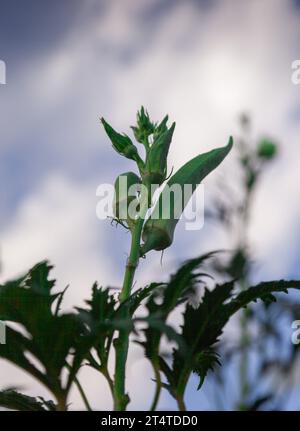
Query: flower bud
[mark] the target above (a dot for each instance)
(121, 143)
(144, 127)
(156, 236)
(161, 128)
(156, 164)
(266, 149)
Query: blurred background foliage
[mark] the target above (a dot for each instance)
(260, 358)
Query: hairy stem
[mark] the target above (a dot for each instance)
(132, 261)
(122, 342)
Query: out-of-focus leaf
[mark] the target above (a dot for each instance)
(139, 295)
(259, 402)
(263, 291)
(50, 337)
(203, 325)
(99, 316)
(164, 300)
(238, 265)
(205, 361)
(14, 400)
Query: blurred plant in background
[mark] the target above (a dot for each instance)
(262, 358)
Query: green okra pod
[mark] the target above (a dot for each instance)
(158, 231)
(125, 203)
(156, 163)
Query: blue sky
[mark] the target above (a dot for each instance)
(203, 62)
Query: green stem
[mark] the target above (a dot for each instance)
(244, 319)
(81, 391)
(133, 260)
(121, 346)
(109, 380)
(157, 389)
(181, 403)
(61, 403)
(181, 385)
(104, 371)
(244, 343)
(122, 342)
(83, 395)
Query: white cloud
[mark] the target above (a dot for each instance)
(58, 222)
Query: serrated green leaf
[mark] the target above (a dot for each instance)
(183, 282)
(100, 316)
(164, 300)
(49, 338)
(14, 400)
(261, 291)
(205, 361)
(139, 295)
(14, 351)
(203, 325)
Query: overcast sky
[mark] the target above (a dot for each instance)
(202, 62)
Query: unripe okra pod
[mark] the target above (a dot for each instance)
(158, 231)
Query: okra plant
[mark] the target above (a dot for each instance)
(90, 336)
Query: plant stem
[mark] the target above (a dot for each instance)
(132, 261)
(122, 342)
(181, 403)
(83, 395)
(81, 391)
(181, 386)
(61, 403)
(157, 389)
(121, 346)
(109, 380)
(244, 343)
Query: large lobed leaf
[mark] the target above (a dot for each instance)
(164, 300)
(49, 337)
(203, 325)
